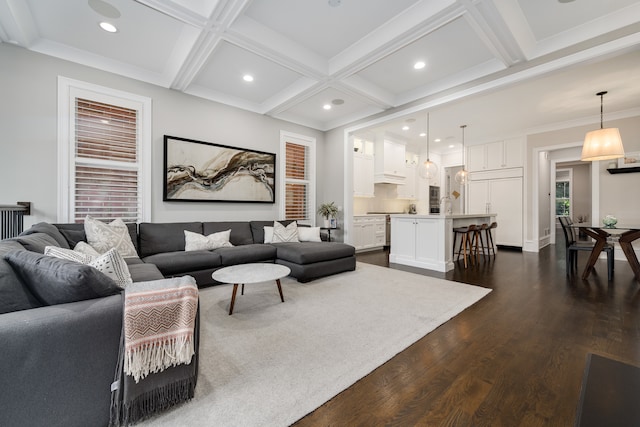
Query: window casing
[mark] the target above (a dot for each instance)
(104, 153)
(564, 193)
(299, 182)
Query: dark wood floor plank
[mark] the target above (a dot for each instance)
(515, 358)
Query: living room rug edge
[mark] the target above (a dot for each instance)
(271, 363)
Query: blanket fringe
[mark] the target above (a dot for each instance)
(157, 356)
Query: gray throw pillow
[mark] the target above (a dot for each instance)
(14, 296)
(49, 229)
(58, 281)
(36, 242)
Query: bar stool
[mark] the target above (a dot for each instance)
(491, 247)
(478, 242)
(466, 242)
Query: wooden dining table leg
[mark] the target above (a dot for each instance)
(625, 243)
(600, 237)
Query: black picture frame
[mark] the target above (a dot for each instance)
(198, 171)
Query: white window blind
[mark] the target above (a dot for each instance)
(299, 180)
(104, 153)
(106, 162)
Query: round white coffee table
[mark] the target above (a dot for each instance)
(250, 273)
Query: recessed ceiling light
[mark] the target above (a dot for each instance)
(437, 140)
(327, 106)
(405, 127)
(419, 65)
(110, 28)
(247, 78)
(451, 146)
(423, 134)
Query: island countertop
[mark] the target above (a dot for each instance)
(444, 216)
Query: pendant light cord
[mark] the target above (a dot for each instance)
(601, 95)
(427, 137)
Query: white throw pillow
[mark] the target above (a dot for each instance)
(285, 234)
(113, 265)
(68, 254)
(85, 248)
(268, 234)
(110, 263)
(309, 234)
(103, 237)
(198, 242)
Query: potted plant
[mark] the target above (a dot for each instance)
(328, 211)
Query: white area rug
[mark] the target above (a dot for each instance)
(271, 363)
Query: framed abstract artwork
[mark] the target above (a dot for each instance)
(630, 160)
(197, 171)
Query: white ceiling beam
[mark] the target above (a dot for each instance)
(298, 88)
(17, 23)
(492, 30)
(513, 17)
(367, 91)
(299, 97)
(630, 15)
(176, 11)
(222, 98)
(415, 22)
(256, 38)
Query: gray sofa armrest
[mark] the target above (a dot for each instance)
(58, 363)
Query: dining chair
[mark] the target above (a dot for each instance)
(573, 247)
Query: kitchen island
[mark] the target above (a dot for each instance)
(426, 241)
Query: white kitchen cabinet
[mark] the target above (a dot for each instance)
(412, 241)
(408, 190)
(389, 164)
(496, 155)
(363, 175)
(502, 196)
(369, 232)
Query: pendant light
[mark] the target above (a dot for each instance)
(462, 176)
(428, 169)
(602, 144)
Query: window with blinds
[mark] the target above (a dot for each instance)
(299, 180)
(106, 179)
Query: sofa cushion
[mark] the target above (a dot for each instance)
(36, 242)
(141, 272)
(240, 231)
(14, 295)
(51, 230)
(180, 262)
(257, 229)
(246, 253)
(110, 263)
(165, 237)
(103, 237)
(283, 234)
(58, 281)
(310, 252)
(309, 234)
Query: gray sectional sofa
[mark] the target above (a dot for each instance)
(59, 360)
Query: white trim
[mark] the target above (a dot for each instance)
(310, 142)
(555, 198)
(67, 90)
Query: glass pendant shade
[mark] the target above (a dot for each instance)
(602, 144)
(428, 169)
(462, 176)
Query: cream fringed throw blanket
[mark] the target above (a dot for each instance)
(159, 346)
(159, 320)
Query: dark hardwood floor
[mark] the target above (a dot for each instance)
(516, 358)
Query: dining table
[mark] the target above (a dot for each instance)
(624, 234)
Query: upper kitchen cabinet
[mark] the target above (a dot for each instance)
(496, 155)
(363, 168)
(389, 165)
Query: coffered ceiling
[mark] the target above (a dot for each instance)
(356, 56)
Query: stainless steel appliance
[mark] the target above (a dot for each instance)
(434, 199)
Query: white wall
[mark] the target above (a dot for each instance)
(615, 194)
(28, 145)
